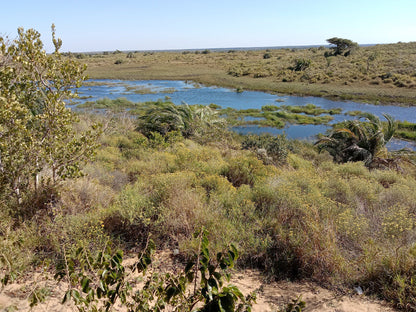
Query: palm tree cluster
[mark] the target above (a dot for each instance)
(361, 139)
(164, 117)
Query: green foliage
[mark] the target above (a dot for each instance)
(119, 104)
(36, 129)
(342, 46)
(297, 305)
(358, 140)
(301, 64)
(311, 109)
(98, 283)
(338, 224)
(39, 295)
(277, 116)
(406, 130)
(296, 118)
(243, 170)
(164, 117)
(269, 108)
(270, 149)
(101, 280)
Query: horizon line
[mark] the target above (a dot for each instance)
(229, 48)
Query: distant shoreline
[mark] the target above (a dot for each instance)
(377, 74)
(299, 47)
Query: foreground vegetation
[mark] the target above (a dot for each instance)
(377, 74)
(290, 210)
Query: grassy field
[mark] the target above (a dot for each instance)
(377, 74)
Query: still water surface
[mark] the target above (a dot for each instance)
(180, 92)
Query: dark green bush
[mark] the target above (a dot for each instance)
(270, 108)
(301, 64)
(276, 147)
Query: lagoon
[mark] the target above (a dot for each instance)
(180, 92)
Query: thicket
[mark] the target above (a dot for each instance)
(39, 145)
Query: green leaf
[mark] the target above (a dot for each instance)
(67, 296)
(85, 284)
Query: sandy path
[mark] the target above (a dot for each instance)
(270, 296)
(274, 295)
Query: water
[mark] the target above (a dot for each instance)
(300, 132)
(180, 92)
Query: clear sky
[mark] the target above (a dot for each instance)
(102, 25)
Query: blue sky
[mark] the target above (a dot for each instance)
(184, 24)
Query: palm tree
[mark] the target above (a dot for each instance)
(166, 116)
(359, 140)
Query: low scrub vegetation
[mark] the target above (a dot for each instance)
(291, 211)
(378, 74)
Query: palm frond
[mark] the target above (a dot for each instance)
(391, 128)
(347, 131)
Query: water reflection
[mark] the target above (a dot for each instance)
(303, 132)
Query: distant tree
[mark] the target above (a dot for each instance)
(342, 46)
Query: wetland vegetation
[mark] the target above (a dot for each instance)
(377, 74)
(166, 171)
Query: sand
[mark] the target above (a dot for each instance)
(270, 296)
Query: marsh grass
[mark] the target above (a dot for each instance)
(406, 130)
(386, 78)
(270, 115)
(311, 109)
(118, 104)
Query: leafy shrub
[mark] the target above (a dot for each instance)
(275, 148)
(243, 170)
(102, 282)
(301, 64)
